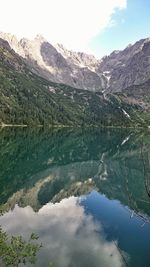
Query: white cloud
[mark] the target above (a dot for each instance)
(71, 22)
(69, 236)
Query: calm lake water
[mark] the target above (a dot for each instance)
(86, 193)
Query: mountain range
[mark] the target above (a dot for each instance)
(42, 83)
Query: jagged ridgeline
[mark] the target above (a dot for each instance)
(28, 99)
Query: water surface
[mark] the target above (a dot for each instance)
(86, 193)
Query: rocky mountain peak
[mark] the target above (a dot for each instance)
(127, 67)
(78, 58)
(9, 37)
(4, 44)
(39, 38)
(58, 64)
(115, 72)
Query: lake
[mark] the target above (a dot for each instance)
(85, 192)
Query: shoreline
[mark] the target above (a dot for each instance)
(3, 125)
(13, 125)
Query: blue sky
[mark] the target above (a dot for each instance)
(94, 26)
(130, 25)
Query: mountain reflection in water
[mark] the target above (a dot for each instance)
(85, 192)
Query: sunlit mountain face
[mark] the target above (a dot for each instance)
(86, 193)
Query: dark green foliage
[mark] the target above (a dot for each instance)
(28, 99)
(15, 251)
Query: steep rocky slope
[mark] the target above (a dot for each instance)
(128, 67)
(26, 98)
(78, 58)
(119, 70)
(52, 64)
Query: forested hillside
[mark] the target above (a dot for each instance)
(27, 99)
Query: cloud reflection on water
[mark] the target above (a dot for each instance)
(69, 236)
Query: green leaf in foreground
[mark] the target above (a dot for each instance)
(14, 250)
